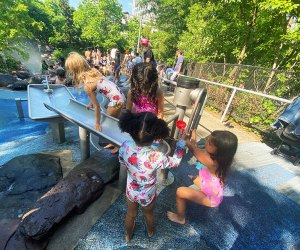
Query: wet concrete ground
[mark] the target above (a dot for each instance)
(261, 208)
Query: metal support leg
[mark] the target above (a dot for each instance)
(228, 104)
(19, 107)
(58, 131)
(84, 136)
(122, 177)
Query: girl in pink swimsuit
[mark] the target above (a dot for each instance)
(144, 93)
(216, 159)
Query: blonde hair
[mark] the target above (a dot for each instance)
(79, 69)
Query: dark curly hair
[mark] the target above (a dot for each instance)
(226, 144)
(143, 127)
(144, 81)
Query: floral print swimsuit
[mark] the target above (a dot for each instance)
(112, 92)
(142, 164)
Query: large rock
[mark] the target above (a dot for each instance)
(73, 193)
(18, 85)
(29, 173)
(23, 180)
(6, 79)
(35, 80)
(23, 74)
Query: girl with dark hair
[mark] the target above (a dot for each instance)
(142, 163)
(144, 92)
(215, 161)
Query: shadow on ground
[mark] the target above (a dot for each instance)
(253, 215)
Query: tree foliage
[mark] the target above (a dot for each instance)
(100, 22)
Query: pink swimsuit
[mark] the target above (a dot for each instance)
(145, 104)
(211, 186)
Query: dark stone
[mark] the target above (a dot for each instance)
(29, 173)
(23, 180)
(6, 79)
(23, 74)
(35, 80)
(73, 193)
(7, 229)
(18, 85)
(17, 241)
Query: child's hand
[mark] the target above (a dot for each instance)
(98, 127)
(89, 106)
(192, 177)
(194, 135)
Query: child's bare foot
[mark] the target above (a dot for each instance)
(175, 218)
(128, 235)
(108, 146)
(114, 150)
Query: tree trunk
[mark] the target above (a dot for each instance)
(235, 72)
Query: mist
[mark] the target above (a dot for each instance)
(33, 62)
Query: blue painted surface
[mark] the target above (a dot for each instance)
(13, 128)
(251, 216)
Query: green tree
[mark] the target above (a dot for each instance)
(100, 22)
(66, 35)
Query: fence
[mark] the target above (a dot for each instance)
(250, 95)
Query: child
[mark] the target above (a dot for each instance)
(217, 157)
(142, 163)
(94, 83)
(144, 92)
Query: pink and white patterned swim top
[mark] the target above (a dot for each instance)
(112, 92)
(145, 104)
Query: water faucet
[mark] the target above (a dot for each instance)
(47, 90)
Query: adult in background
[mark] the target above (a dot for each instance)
(179, 65)
(137, 59)
(147, 53)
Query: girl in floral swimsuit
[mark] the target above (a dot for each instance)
(216, 158)
(142, 163)
(144, 93)
(94, 83)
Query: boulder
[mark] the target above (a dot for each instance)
(23, 74)
(18, 85)
(24, 179)
(35, 80)
(6, 79)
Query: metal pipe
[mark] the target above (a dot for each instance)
(199, 104)
(228, 104)
(172, 118)
(84, 136)
(245, 90)
(180, 110)
(19, 107)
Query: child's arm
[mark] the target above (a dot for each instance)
(129, 102)
(201, 155)
(95, 104)
(160, 102)
(173, 161)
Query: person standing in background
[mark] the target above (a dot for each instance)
(147, 53)
(179, 65)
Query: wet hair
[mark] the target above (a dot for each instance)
(144, 81)
(226, 144)
(79, 69)
(143, 127)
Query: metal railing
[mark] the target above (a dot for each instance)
(231, 96)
